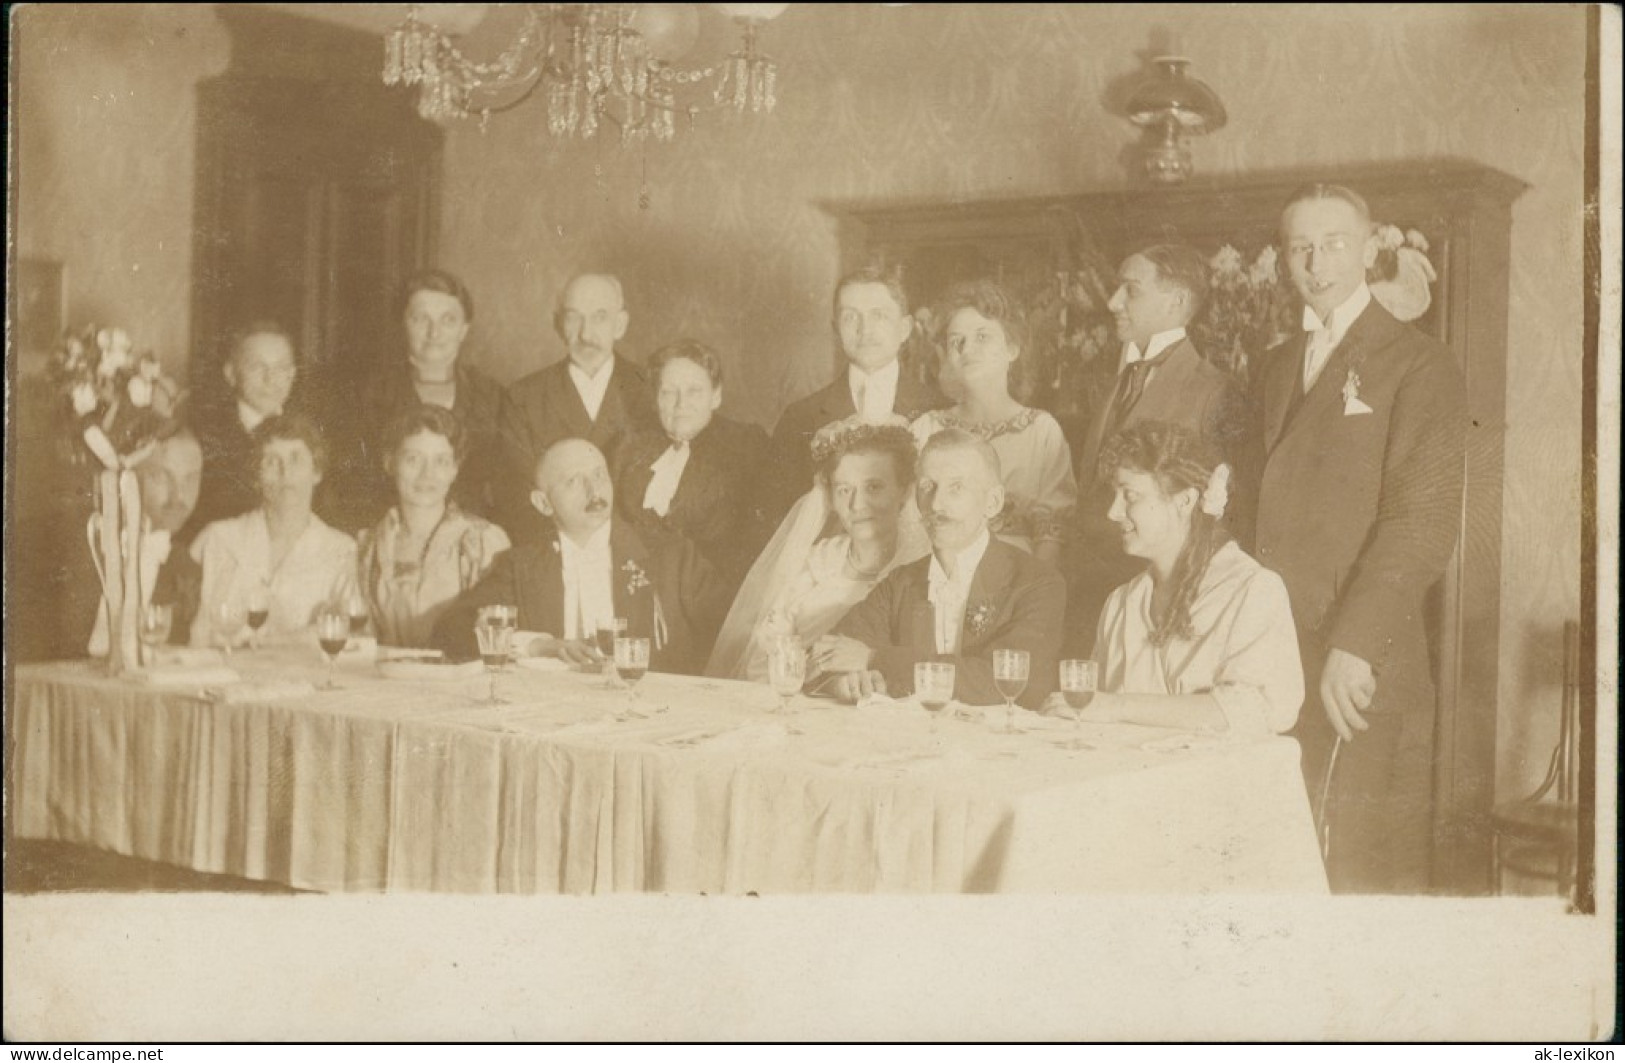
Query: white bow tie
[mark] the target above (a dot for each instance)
(668, 475)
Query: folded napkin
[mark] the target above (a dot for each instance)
(407, 653)
(360, 648)
(284, 690)
(183, 676)
(543, 664)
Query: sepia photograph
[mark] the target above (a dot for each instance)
(698, 522)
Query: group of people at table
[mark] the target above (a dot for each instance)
(890, 521)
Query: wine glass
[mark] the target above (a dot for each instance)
(631, 661)
(156, 623)
(355, 605)
(332, 634)
(1010, 671)
(226, 619)
(604, 640)
(934, 687)
(494, 628)
(1079, 680)
(786, 669)
(259, 611)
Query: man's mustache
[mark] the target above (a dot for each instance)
(597, 505)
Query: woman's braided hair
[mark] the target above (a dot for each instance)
(1179, 460)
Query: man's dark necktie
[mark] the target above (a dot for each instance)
(1130, 386)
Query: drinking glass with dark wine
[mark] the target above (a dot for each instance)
(1010, 671)
(1079, 679)
(494, 628)
(259, 611)
(355, 604)
(156, 623)
(631, 662)
(604, 642)
(332, 634)
(934, 686)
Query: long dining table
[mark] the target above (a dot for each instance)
(695, 786)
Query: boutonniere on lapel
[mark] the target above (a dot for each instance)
(636, 580)
(1352, 403)
(979, 617)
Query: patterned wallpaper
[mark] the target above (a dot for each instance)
(971, 101)
(922, 101)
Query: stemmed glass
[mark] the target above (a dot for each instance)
(934, 687)
(786, 669)
(604, 639)
(355, 605)
(494, 627)
(226, 619)
(332, 634)
(259, 611)
(631, 661)
(1010, 671)
(156, 623)
(1079, 680)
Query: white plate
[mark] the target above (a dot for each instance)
(542, 664)
(418, 671)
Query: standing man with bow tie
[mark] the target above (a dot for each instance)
(1362, 433)
(1158, 376)
(872, 322)
(593, 394)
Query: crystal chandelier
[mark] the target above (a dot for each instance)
(593, 64)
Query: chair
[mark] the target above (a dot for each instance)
(1538, 836)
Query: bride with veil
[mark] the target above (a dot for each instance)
(804, 582)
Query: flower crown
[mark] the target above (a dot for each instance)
(852, 433)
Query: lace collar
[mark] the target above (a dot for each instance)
(988, 432)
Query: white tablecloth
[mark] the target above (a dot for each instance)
(398, 786)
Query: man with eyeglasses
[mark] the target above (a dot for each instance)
(872, 323)
(260, 371)
(1360, 441)
(593, 394)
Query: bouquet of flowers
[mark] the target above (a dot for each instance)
(118, 406)
(1247, 311)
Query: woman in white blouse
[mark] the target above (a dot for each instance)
(280, 553)
(1203, 640)
(426, 550)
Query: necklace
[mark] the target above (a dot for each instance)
(867, 575)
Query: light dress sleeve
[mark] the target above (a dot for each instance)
(1057, 492)
(1259, 680)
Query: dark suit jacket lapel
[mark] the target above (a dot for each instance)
(989, 589)
(917, 618)
(568, 409)
(543, 580)
(913, 397)
(1370, 332)
(834, 404)
(626, 548)
(1279, 388)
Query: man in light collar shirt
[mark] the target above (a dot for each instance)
(1158, 375)
(972, 595)
(594, 393)
(1360, 434)
(593, 570)
(872, 322)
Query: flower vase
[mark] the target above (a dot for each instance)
(117, 545)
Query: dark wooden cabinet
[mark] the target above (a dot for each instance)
(316, 197)
(1463, 208)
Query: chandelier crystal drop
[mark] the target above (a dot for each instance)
(592, 65)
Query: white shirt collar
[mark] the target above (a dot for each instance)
(597, 544)
(874, 394)
(252, 418)
(593, 387)
(1158, 343)
(969, 558)
(1342, 316)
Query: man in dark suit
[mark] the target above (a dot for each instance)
(260, 372)
(973, 595)
(1158, 376)
(872, 323)
(1361, 439)
(595, 569)
(594, 394)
